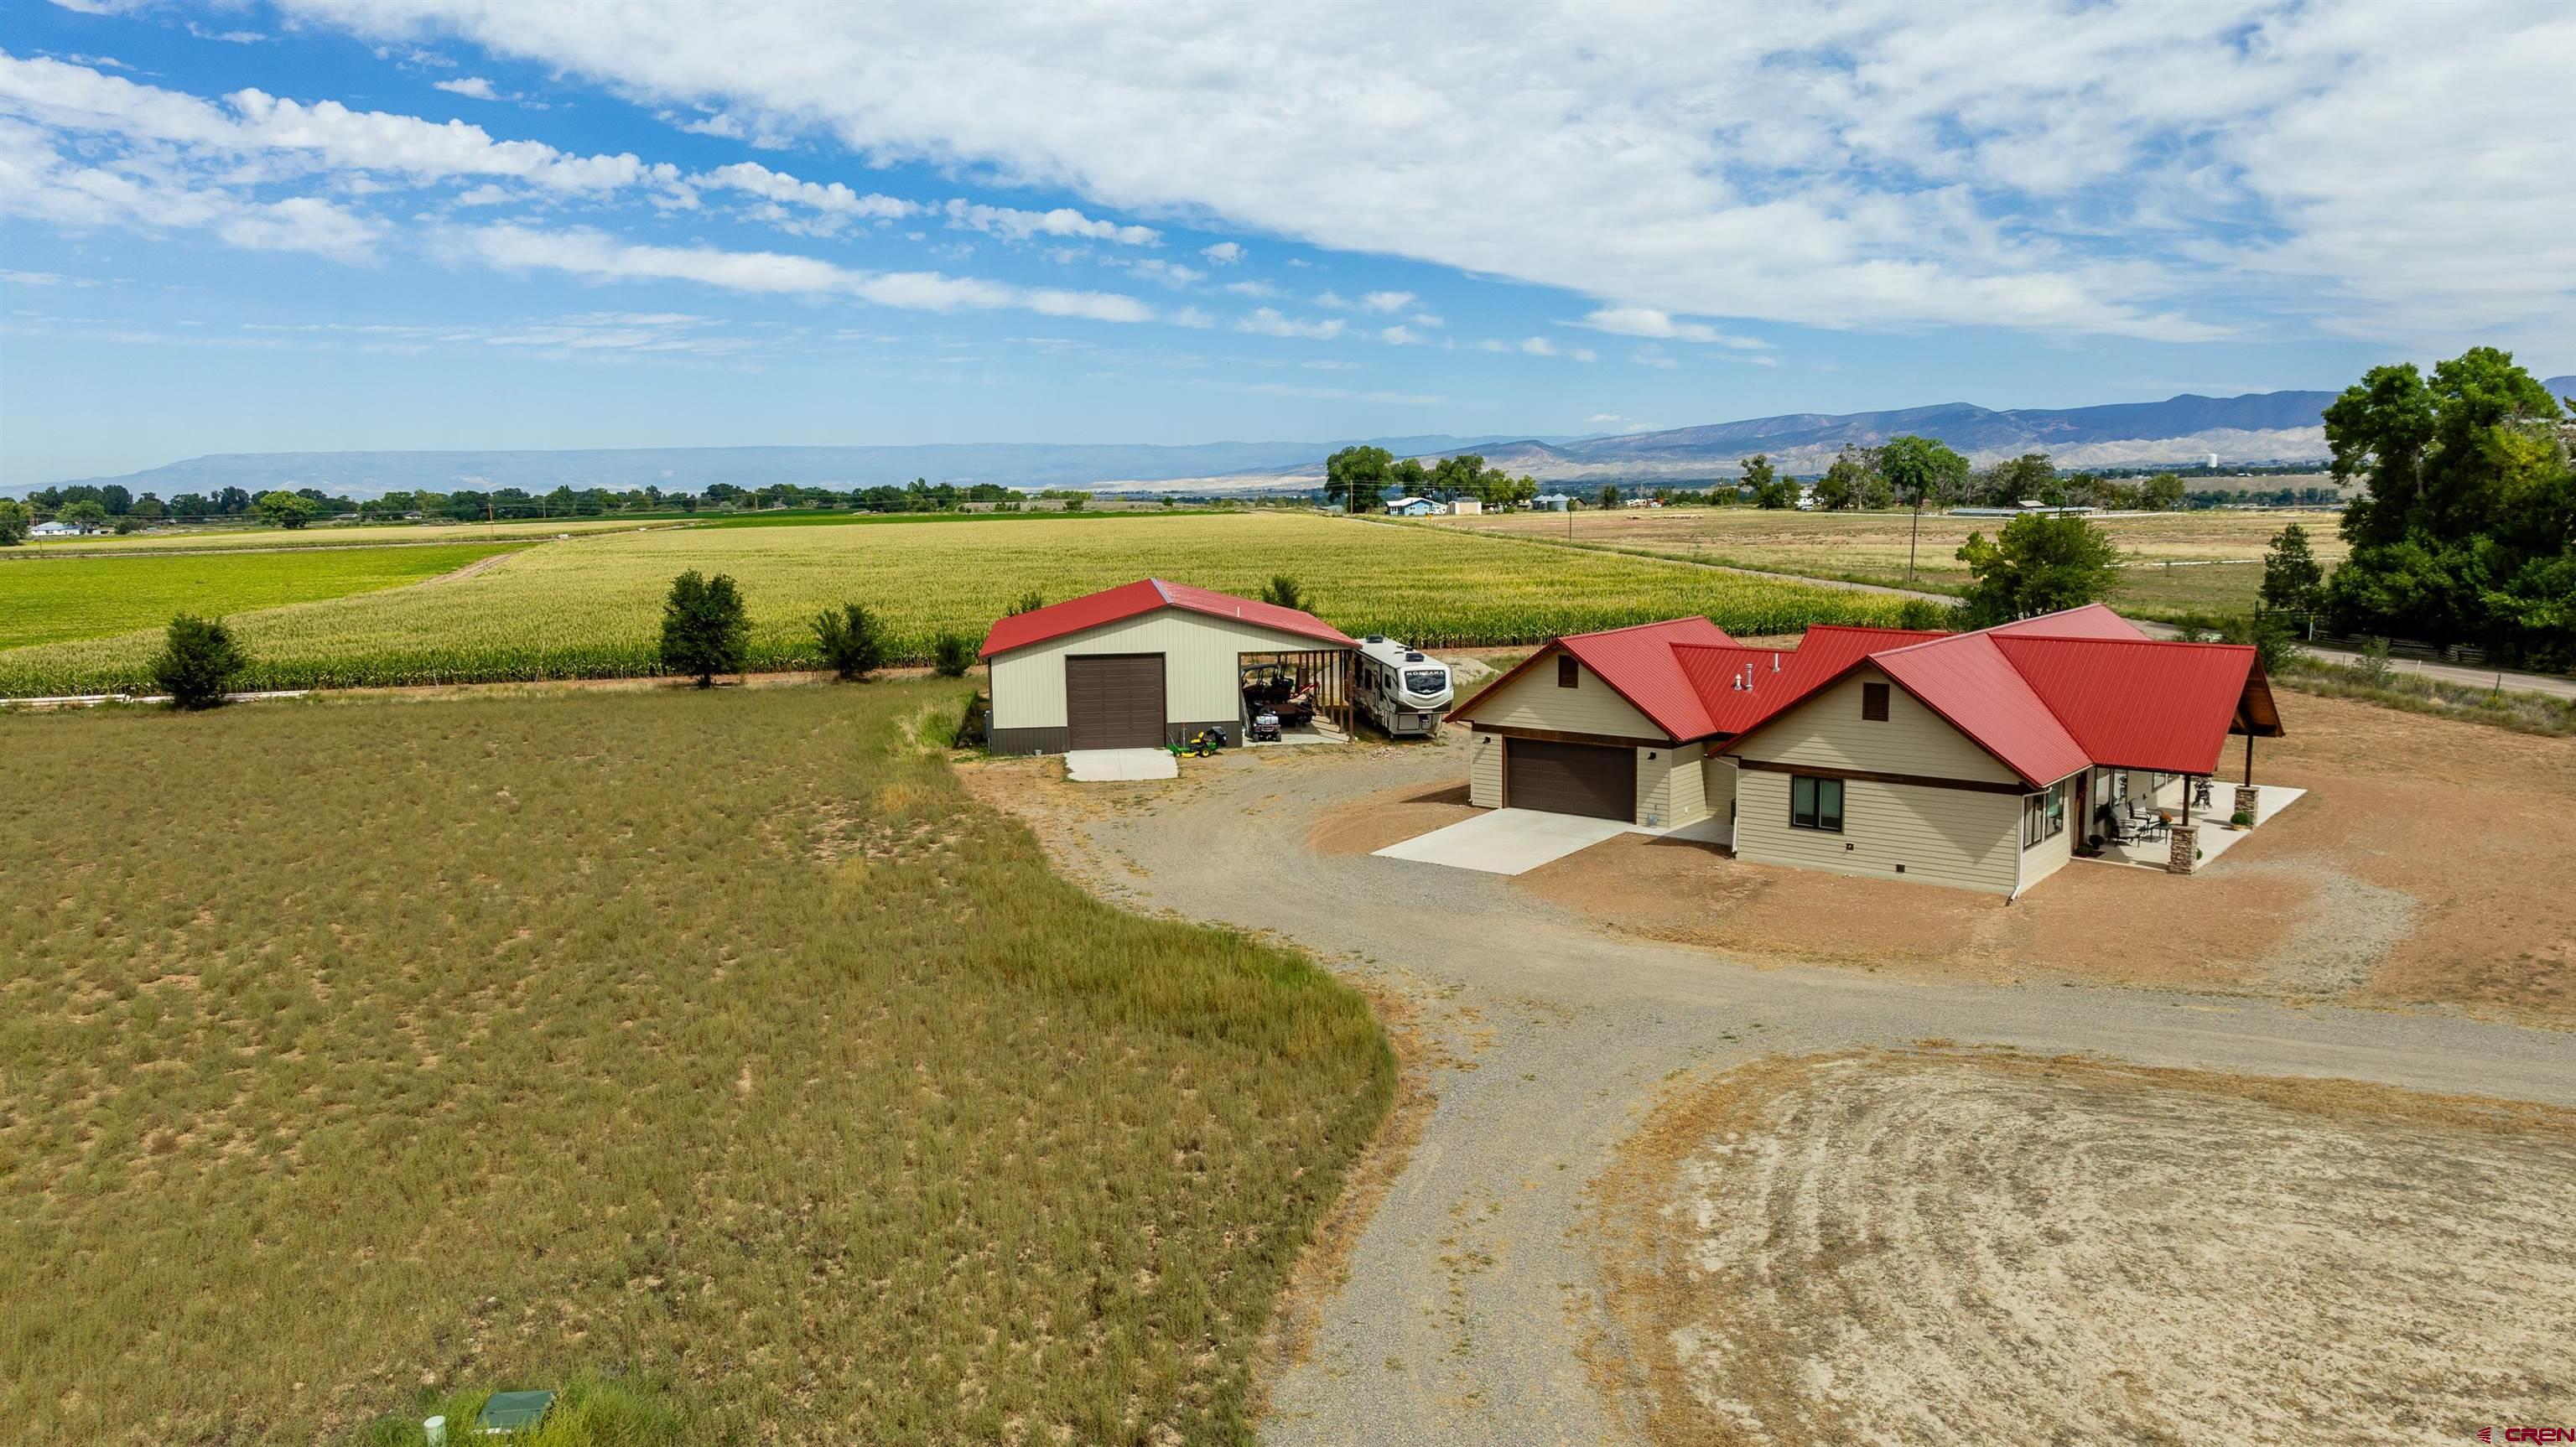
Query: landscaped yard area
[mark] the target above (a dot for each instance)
(2207, 561)
(50, 599)
(590, 607)
(714, 1044)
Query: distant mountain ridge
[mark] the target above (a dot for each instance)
(2258, 427)
(693, 469)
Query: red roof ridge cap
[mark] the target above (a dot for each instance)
(1633, 627)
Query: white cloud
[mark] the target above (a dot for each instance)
(1427, 319)
(832, 205)
(1252, 288)
(1646, 321)
(1266, 321)
(593, 255)
(1386, 301)
(1651, 355)
(1169, 273)
(1399, 336)
(472, 87)
(1584, 354)
(1013, 224)
(1223, 253)
(1334, 300)
(300, 223)
(1538, 346)
(1190, 316)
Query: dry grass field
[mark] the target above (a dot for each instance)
(1942, 1247)
(2215, 557)
(711, 1048)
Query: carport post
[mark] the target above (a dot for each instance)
(2249, 758)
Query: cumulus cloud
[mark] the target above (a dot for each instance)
(1386, 301)
(2107, 168)
(596, 256)
(1223, 253)
(1252, 288)
(805, 207)
(1538, 346)
(1268, 322)
(472, 87)
(1013, 224)
(1646, 321)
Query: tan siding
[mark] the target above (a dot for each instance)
(1202, 679)
(2048, 856)
(1942, 836)
(1718, 776)
(1534, 701)
(1827, 731)
(1485, 772)
(1669, 789)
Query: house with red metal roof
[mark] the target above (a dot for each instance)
(1150, 663)
(1978, 760)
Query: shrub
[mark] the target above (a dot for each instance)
(851, 640)
(2372, 668)
(1283, 591)
(198, 663)
(951, 655)
(2241, 819)
(1924, 615)
(704, 629)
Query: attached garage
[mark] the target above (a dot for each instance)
(1588, 779)
(1147, 664)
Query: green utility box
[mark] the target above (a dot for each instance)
(512, 1412)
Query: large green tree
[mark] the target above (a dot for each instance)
(705, 630)
(1854, 481)
(14, 522)
(2293, 580)
(1356, 477)
(1922, 470)
(2031, 477)
(1764, 481)
(283, 509)
(2465, 528)
(2038, 563)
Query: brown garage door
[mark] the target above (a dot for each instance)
(1114, 701)
(1570, 779)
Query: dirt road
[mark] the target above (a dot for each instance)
(1472, 1309)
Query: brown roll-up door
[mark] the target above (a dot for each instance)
(1114, 701)
(1587, 779)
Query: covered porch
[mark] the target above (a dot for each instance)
(2181, 822)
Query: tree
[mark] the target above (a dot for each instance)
(116, 499)
(1919, 469)
(2161, 493)
(1283, 591)
(2029, 477)
(1768, 487)
(1852, 481)
(704, 629)
(1409, 476)
(852, 641)
(198, 662)
(2292, 579)
(282, 509)
(1463, 476)
(1356, 477)
(2037, 564)
(1609, 495)
(15, 519)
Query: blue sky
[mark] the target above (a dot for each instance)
(326, 224)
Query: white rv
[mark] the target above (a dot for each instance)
(1402, 691)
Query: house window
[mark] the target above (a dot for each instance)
(2043, 816)
(1873, 702)
(1568, 672)
(1815, 803)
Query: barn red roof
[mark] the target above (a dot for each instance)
(1148, 595)
(1638, 663)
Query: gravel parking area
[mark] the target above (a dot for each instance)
(1474, 1304)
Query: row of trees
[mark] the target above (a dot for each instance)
(112, 506)
(1358, 478)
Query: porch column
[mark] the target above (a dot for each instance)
(2249, 800)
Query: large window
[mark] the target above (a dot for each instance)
(1815, 803)
(2043, 816)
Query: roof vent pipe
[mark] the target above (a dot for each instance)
(1775, 663)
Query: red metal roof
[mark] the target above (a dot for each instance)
(1147, 595)
(1736, 701)
(1968, 680)
(2134, 703)
(2093, 620)
(1639, 666)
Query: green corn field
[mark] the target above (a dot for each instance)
(590, 607)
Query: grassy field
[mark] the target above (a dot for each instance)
(710, 1045)
(44, 600)
(2215, 557)
(591, 607)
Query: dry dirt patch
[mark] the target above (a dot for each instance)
(1390, 816)
(2432, 862)
(1946, 1247)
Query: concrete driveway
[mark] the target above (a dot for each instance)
(1506, 841)
(1470, 1310)
(1108, 766)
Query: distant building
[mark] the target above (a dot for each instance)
(1465, 507)
(1552, 501)
(55, 530)
(1411, 507)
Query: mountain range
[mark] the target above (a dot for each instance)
(2259, 427)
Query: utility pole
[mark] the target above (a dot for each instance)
(1915, 536)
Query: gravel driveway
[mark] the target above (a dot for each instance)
(1470, 1313)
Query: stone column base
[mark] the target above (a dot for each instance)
(2249, 801)
(2182, 854)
